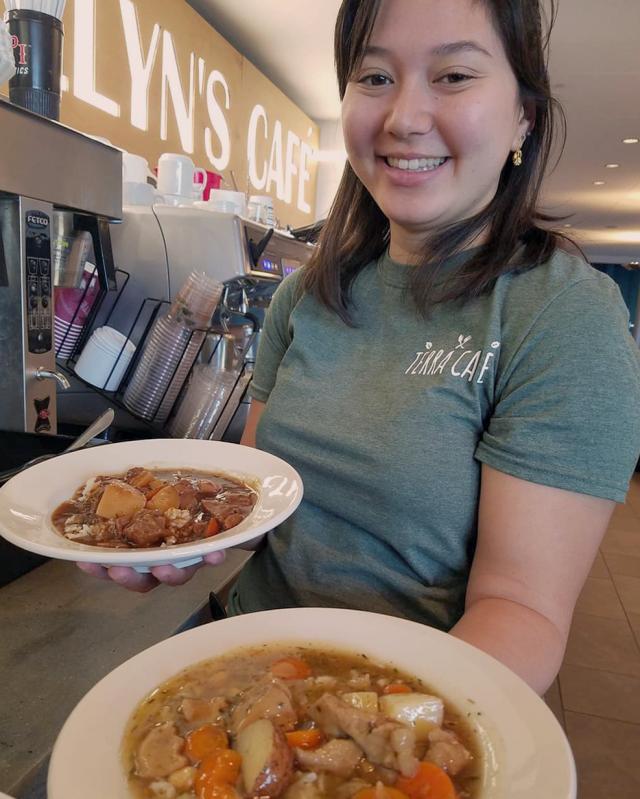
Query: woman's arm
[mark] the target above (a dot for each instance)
(249, 433)
(536, 545)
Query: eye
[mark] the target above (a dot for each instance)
(374, 79)
(454, 78)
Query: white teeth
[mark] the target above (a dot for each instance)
(416, 164)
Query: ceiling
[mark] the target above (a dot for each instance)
(595, 72)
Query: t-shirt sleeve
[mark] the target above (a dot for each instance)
(275, 337)
(567, 407)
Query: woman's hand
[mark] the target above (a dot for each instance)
(134, 581)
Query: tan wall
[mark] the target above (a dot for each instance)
(110, 84)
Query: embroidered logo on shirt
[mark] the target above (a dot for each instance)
(461, 362)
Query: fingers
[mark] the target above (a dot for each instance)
(94, 569)
(170, 575)
(215, 558)
(131, 579)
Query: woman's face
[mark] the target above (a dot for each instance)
(431, 115)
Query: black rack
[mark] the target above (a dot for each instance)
(148, 312)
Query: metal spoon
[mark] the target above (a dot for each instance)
(95, 428)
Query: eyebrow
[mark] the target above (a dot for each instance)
(450, 48)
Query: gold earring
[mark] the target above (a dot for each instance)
(517, 157)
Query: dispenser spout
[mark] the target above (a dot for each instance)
(45, 374)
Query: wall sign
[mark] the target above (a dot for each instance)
(155, 77)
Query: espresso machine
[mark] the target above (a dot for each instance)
(46, 170)
(160, 245)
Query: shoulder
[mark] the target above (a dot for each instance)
(562, 283)
(288, 293)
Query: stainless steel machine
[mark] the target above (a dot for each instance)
(159, 246)
(45, 169)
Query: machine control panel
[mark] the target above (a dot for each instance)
(269, 265)
(290, 265)
(38, 281)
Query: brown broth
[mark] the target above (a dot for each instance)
(197, 514)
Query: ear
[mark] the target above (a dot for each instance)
(526, 123)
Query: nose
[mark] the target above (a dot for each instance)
(412, 110)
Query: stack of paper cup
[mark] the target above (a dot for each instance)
(105, 358)
(206, 396)
(171, 348)
(197, 300)
(72, 311)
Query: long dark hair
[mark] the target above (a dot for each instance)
(357, 232)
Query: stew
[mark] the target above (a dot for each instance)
(150, 508)
(298, 723)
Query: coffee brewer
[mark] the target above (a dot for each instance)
(160, 245)
(46, 170)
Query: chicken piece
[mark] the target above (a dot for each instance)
(403, 742)
(447, 751)
(380, 740)
(266, 700)
(349, 789)
(148, 529)
(203, 709)
(160, 752)
(338, 756)
(337, 718)
(305, 787)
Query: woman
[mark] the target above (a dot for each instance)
(457, 392)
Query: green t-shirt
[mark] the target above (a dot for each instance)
(388, 423)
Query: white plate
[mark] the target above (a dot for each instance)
(27, 500)
(525, 752)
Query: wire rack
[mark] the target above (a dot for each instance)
(149, 311)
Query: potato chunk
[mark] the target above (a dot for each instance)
(120, 499)
(267, 760)
(420, 711)
(168, 497)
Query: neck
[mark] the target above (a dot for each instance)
(411, 248)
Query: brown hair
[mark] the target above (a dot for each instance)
(357, 232)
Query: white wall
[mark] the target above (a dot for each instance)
(331, 164)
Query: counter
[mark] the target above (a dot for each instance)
(62, 631)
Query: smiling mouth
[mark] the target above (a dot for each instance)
(415, 164)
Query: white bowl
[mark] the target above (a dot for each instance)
(27, 500)
(524, 750)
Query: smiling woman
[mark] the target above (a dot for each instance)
(458, 393)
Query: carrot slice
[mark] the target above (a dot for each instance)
(222, 766)
(429, 782)
(396, 688)
(380, 792)
(213, 528)
(304, 739)
(204, 741)
(218, 790)
(291, 669)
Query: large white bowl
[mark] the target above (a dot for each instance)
(27, 500)
(525, 752)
